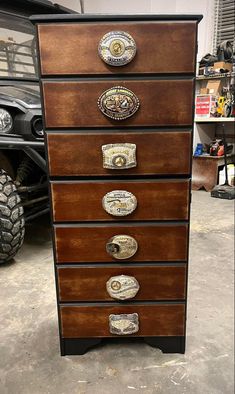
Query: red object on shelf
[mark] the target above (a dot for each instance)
(221, 150)
(205, 106)
(217, 148)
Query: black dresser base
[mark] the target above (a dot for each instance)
(79, 346)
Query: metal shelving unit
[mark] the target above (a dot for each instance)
(214, 120)
(216, 76)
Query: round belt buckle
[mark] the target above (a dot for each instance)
(117, 48)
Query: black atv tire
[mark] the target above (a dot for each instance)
(12, 223)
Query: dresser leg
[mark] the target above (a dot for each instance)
(77, 346)
(167, 344)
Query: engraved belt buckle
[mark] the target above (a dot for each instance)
(119, 203)
(118, 103)
(124, 324)
(122, 246)
(122, 287)
(117, 48)
(119, 156)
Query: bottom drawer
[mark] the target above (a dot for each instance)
(128, 320)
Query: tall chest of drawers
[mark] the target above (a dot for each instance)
(118, 99)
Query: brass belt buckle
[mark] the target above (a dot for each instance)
(118, 103)
(122, 246)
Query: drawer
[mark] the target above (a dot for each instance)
(93, 321)
(87, 243)
(163, 102)
(157, 153)
(89, 283)
(71, 48)
(108, 200)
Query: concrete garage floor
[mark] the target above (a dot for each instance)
(29, 352)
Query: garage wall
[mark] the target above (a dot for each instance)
(205, 32)
(205, 7)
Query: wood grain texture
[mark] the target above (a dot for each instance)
(72, 48)
(162, 77)
(93, 321)
(83, 243)
(74, 104)
(156, 200)
(158, 153)
(89, 283)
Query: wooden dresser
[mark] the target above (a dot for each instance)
(118, 106)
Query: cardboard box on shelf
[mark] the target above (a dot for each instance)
(204, 91)
(214, 87)
(223, 66)
(205, 106)
(209, 70)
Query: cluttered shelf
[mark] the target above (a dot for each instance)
(215, 86)
(213, 162)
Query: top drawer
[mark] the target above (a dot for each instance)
(161, 47)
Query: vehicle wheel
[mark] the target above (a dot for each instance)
(12, 223)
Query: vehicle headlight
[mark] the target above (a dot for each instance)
(6, 121)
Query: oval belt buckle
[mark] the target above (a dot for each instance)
(119, 203)
(122, 287)
(117, 48)
(122, 246)
(118, 103)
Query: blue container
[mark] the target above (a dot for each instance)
(198, 150)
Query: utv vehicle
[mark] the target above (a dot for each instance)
(23, 182)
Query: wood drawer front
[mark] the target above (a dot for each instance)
(162, 103)
(87, 243)
(156, 200)
(89, 283)
(93, 321)
(157, 153)
(71, 48)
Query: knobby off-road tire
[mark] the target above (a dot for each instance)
(12, 223)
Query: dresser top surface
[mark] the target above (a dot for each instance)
(114, 17)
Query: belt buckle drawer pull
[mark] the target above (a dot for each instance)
(124, 324)
(118, 103)
(122, 246)
(119, 203)
(117, 48)
(120, 156)
(122, 287)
